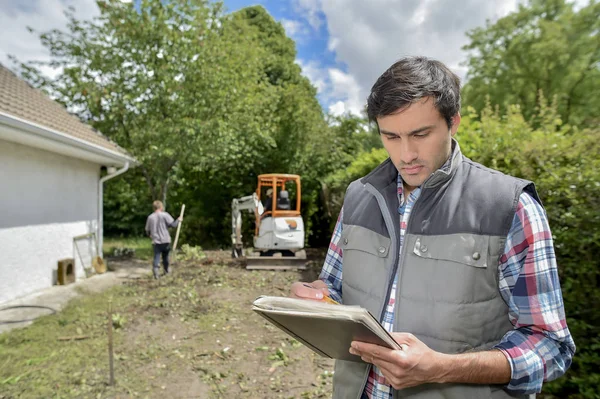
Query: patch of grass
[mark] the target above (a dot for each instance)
(36, 363)
(66, 354)
(192, 331)
(141, 245)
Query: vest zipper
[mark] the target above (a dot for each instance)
(398, 258)
(389, 222)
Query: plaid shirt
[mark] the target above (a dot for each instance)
(540, 348)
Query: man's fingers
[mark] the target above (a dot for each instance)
(371, 349)
(379, 353)
(404, 338)
(306, 291)
(363, 347)
(366, 357)
(388, 368)
(319, 284)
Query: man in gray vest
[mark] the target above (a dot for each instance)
(455, 259)
(157, 228)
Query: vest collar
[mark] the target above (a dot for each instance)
(440, 175)
(386, 173)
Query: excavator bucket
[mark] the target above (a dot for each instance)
(277, 261)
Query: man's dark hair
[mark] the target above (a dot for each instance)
(411, 79)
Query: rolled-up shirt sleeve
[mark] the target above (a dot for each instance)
(540, 348)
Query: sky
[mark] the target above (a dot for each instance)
(342, 45)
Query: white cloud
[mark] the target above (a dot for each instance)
(291, 27)
(345, 87)
(337, 89)
(297, 30)
(580, 4)
(41, 15)
(332, 44)
(316, 74)
(311, 10)
(365, 36)
(368, 36)
(337, 108)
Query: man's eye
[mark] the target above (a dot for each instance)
(420, 136)
(392, 137)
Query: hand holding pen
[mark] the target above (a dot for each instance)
(317, 290)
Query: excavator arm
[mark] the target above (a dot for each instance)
(250, 203)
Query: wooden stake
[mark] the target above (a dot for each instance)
(177, 233)
(110, 344)
(74, 338)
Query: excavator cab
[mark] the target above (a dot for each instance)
(279, 233)
(279, 195)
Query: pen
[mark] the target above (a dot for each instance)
(326, 298)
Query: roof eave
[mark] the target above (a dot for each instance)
(21, 131)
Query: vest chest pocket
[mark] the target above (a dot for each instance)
(366, 258)
(468, 249)
(454, 268)
(356, 238)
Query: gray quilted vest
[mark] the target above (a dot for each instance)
(447, 292)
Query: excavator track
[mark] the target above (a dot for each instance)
(277, 262)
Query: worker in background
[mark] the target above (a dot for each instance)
(268, 204)
(157, 228)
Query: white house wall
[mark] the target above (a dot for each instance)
(46, 199)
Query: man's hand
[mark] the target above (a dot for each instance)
(180, 218)
(315, 290)
(418, 364)
(414, 364)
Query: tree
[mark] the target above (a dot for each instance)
(543, 47)
(290, 118)
(204, 100)
(167, 82)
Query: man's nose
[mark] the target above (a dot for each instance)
(408, 151)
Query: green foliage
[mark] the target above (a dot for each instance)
(362, 165)
(118, 320)
(140, 246)
(327, 152)
(544, 46)
(126, 204)
(122, 252)
(193, 253)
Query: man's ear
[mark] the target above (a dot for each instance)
(455, 124)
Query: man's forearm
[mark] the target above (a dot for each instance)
(489, 367)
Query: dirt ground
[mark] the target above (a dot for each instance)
(189, 335)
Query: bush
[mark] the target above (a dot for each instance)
(189, 252)
(337, 183)
(563, 162)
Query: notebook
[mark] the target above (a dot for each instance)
(325, 328)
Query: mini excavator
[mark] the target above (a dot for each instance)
(279, 233)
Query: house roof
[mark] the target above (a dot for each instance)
(19, 99)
